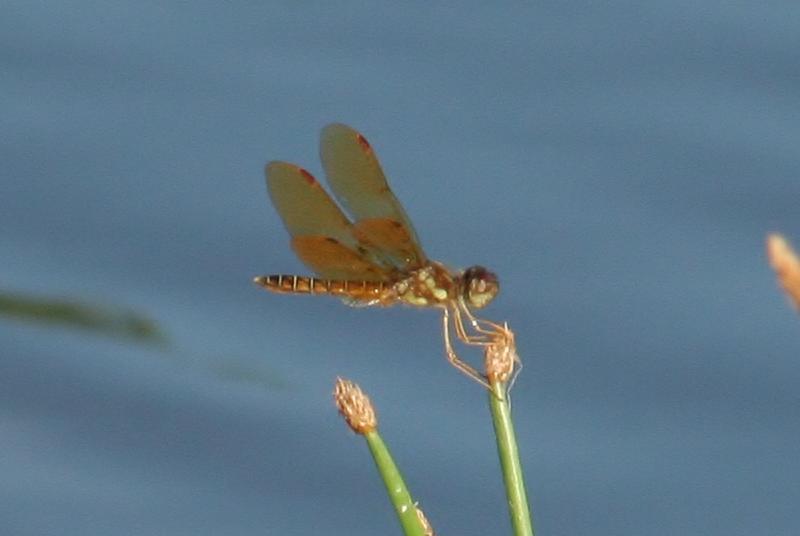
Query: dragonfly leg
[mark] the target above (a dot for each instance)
(487, 331)
(476, 322)
(496, 335)
(461, 331)
(452, 357)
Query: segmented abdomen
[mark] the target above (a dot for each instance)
(297, 284)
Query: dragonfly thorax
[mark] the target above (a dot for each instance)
(433, 285)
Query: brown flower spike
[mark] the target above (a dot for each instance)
(354, 406)
(786, 265)
(500, 355)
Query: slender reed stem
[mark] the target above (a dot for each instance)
(509, 460)
(395, 486)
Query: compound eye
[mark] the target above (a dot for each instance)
(481, 286)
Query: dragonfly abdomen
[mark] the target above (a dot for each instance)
(298, 284)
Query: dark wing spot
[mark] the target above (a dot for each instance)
(307, 176)
(331, 240)
(362, 141)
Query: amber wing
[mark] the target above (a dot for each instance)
(322, 236)
(355, 175)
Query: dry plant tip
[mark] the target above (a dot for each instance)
(426, 525)
(500, 355)
(786, 264)
(354, 406)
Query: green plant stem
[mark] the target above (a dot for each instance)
(395, 487)
(509, 460)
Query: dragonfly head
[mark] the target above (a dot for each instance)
(480, 286)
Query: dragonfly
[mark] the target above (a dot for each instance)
(373, 257)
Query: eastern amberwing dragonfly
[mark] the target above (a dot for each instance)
(375, 258)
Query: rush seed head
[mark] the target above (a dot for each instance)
(354, 406)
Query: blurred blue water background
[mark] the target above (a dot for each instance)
(618, 164)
